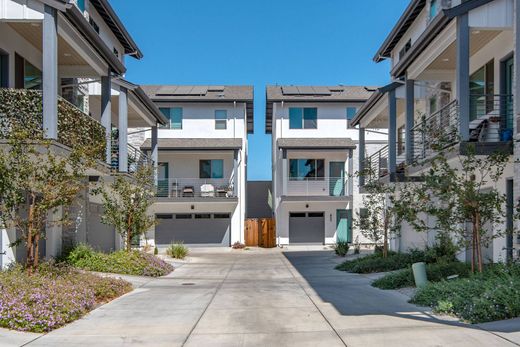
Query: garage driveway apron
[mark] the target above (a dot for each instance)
(263, 298)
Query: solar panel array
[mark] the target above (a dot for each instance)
(305, 90)
(182, 91)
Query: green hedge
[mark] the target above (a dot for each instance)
(376, 263)
(490, 296)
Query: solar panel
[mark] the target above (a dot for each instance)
(199, 90)
(166, 90)
(290, 90)
(215, 88)
(321, 91)
(306, 90)
(183, 90)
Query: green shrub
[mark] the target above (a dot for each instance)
(435, 273)
(121, 262)
(341, 248)
(492, 295)
(177, 251)
(376, 263)
(155, 250)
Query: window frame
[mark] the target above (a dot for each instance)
(211, 171)
(316, 169)
(303, 118)
(350, 117)
(222, 121)
(170, 116)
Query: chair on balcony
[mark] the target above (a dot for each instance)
(188, 192)
(176, 191)
(207, 190)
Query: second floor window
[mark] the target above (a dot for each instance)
(433, 8)
(81, 5)
(211, 168)
(220, 119)
(94, 25)
(306, 169)
(351, 113)
(174, 116)
(303, 118)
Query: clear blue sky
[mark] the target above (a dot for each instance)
(259, 42)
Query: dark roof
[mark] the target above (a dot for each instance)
(405, 21)
(374, 98)
(195, 144)
(196, 94)
(316, 143)
(114, 23)
(143, 99)
(312, 94)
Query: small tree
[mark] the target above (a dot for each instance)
(126, 202)
(34, 182)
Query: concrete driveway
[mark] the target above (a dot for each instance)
(265, 298)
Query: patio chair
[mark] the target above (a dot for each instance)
(188, 192)
(207, 190)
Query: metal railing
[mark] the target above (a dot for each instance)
(196, 188)
(316, 186)
(23, 109)
(136, 158)
(377, 165)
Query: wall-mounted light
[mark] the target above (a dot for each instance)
(192, 207)
(306, 205)
(330, 217)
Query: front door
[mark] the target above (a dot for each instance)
(337, 178)
(344, 225)
(162, 180)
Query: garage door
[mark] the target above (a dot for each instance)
(307, 227)
(194, 229)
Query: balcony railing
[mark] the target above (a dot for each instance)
(315, 186)
(22, 109)
(136, 158)
(491, 120)
(195, 188)
(377, 166)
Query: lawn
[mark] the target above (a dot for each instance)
(52, 297)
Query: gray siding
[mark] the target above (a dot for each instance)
(257, 205)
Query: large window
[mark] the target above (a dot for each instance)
(433, 8)
(4, 69)
(174, 116)
(303, 118)
(306, 169)
(481, 89)
(220, 119)
(81, 5)
(211, 168)
(351, 113)
(32, 76)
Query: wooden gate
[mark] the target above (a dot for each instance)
(260, 232)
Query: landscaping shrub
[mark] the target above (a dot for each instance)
(341, 248)
(376, 263)
(435, 273)
(177, 251)
(121, 262)
(482, 297)
(52, 297)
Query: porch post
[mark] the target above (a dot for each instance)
(50, 73)
(350, 182)
(410, 102)
(284, 172)
(106, 113)
(155, 154)
(463, 75)
(235, 172)
(361, 157)
(123, 129)
(392, 132)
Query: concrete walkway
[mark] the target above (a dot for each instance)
(264, 298)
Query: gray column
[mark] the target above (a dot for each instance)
(410, 102)
(350, 182)
(361, 156)
(123, 129)
(106, 112)
(463, 96)
(50, 72)
(155, 154)
(285, 175)
(392, 132)
(235, 172)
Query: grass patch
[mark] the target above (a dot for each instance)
(435, 273)
(120, 262)
(52, 297)
(490, 296)
(177, 251)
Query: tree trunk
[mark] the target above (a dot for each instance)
(36, 250)
(385, 238)
(478, 242)
(473, 246)
(30, 240)
(129, 233)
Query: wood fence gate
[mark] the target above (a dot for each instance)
(260, 232)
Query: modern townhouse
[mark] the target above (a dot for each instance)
(452, 67)
(315, 194)
(202, 158)
(52, 54)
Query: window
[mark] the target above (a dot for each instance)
(174, 116)
(481, 89)
(351, 113)
(32, 76)
(81, 5)
(405, 49)
(183, 216)
(4, 69)
(213, 168)
(94, 25)
(363, 217)
(400, 140)
(203, 216)
(433, 105)
(116, 53)
(306, 169)
(297, 215)
(433, 8)
(221, 216)
(220, 119)
(164, 216)
(303, 118)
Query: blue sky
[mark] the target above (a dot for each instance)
(259, 42)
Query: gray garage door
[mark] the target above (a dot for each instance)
(100, 236)
(194, 229)
(307, 227)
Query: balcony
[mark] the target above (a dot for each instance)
(22, 109)
(136, 158)
(332, 187)
(196, 188)
(490, 127)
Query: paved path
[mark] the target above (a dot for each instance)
(264, 298)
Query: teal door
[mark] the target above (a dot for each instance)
(337, 178)
(162, 180)
(344, 225)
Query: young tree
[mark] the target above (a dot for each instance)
(126, 202)
(35, 181)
